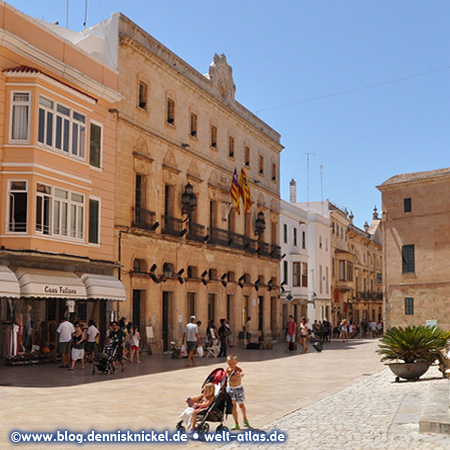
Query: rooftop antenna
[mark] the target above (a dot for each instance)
(85, 14)
(321, 167)
(307, 175)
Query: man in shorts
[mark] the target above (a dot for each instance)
(65, 331)
(290, 336)
(117, 338)
(191, 338)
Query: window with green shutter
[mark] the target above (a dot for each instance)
(408, 258)
(96, 145)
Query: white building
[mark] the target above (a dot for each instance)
(305, 239)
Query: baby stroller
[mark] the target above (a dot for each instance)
(104, 361)
(219, 408)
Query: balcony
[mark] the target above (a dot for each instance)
(344, 285)
(143, 219)
(275, 251)
(172, 226)
(219, 236)
(196, 232)
(250, 245)
(263, 248)
(236, 240)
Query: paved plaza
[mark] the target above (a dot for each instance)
(340, 398)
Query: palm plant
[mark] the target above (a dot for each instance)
(413, 343)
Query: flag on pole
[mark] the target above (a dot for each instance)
(234, 192)
(244, 191)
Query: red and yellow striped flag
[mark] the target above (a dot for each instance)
(244, 191)
(234, 192)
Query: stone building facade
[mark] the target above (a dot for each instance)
(182, 247)
(416, 236)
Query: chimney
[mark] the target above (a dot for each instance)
(293, 191)
(366, 227)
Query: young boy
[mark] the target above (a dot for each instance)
(236, 390)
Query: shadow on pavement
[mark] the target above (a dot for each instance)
(50, 375)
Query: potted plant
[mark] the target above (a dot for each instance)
(417, 346)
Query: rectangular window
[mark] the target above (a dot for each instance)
(20, 116)
(142, 99)
(213, 136)
(94, 221)
(193, 125)
(407, 205)
(320, 279)
(409, 305)
(408, 258)
(261, 165)
(285, 233)
(296, 274)
(295, 236)
(61, 128)
(191, 304)
(45, 125)
(303, 240)
(349, 271)
(170, 111)
(18, 203)
(68, 214)
(342, 271)
(247, 155)
(139, 193)
(304, 274)
(95, 148)
(320, 241)
(274, 172)
(379, 278)
(43, 205)
(285, 272)
(231, 146)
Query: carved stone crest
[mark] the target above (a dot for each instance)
(221, 75)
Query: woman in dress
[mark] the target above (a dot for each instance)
(303, 332)
(344, 330)
(78, 340)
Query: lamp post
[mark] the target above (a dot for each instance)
(188, 202)
(260, 225)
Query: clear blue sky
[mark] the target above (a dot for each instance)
(288, 51)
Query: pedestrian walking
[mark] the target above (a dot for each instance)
(230, 334)
(191, 338)
(223, 334)
(290, 335)
(65, 331)
(117, 339)
(78, 341)
(344, 330)
(92, 334)
(135, 340)
(304, 333)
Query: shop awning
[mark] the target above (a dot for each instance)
(9, 286)
(106, 287)
(50, 284)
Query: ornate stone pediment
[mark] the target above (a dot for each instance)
(142, 158)
(193, 173)
(221, 75)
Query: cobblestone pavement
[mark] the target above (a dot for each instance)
(376, 413)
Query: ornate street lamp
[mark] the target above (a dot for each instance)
(260, 225)
(188, 200)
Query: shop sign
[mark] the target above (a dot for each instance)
(60, 290)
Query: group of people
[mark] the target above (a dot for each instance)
(192, 340)
(291, 333)
(349, 329)
(200, 403)
(75, 343)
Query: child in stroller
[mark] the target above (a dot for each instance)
(210, 406)
(104, 361)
